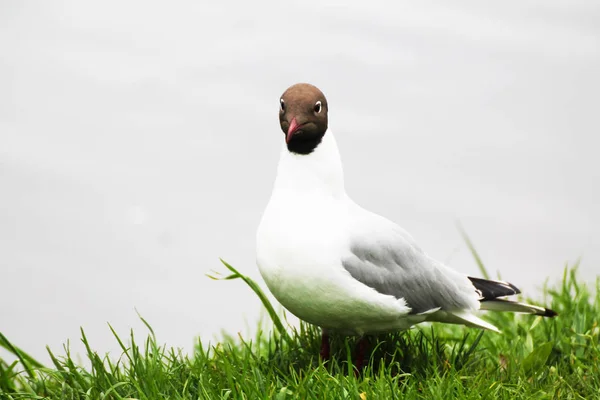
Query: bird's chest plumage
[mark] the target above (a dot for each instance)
(298, 253)
(294, 241)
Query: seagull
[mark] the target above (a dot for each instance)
(345, 269)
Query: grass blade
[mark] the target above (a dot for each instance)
(478, 260)
(26, 360)
(263, 298)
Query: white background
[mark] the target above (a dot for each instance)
(139, 141)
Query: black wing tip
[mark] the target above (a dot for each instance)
(549, 313)
(491, 289)
(513, 287)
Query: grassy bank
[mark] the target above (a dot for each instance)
(533, 358)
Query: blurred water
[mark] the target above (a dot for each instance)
(139, 140)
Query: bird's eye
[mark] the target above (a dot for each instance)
(282, 104)
(318, 107)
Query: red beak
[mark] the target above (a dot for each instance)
(291, 130)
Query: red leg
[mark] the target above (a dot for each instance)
(325, 349)
(361, 348)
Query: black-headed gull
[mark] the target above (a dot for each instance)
(338, 266)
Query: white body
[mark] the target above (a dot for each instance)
(305, 232)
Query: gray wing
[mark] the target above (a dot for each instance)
(392, 264)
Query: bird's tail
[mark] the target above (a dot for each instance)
(513, 306)
(490, 299)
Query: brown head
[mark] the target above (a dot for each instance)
(303, 117)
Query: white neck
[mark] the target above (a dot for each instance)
(320, 170)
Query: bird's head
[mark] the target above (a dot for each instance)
(303, 117)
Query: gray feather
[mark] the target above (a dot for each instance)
(402, 270)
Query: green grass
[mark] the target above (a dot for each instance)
(534, 358)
